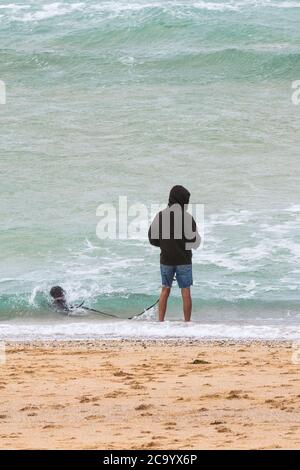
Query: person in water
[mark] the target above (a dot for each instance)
(59, 299)
(175, 232)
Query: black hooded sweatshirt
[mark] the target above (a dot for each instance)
(174, 230)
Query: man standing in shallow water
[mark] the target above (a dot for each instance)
(175, 232)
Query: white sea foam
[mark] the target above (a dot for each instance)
(230, 218)
(287, 5)
(7, 279)
(294, 207)
(32, 297)
(14, 7)
(213, 6)
(292, 247)
(258, 252)
(222, 260)
(51, 10)
(280, 229)
(144, 330)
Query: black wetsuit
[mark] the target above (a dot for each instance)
(62, 306)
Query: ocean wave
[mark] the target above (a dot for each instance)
(144, 41)
(131, 15)
(174, 8)
(68, 67)
(211, 298)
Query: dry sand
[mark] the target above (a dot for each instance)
(159, 395)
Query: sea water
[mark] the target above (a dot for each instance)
(110, 98)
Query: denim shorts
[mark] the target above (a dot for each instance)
(184, 275)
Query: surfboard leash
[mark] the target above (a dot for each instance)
(99, 312)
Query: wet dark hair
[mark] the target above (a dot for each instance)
(57, 292)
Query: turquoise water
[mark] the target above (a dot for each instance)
(109, 98)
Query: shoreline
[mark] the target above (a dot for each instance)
(151, 341)
(149, 395)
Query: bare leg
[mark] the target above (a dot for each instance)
(163, 300)
(187, 303)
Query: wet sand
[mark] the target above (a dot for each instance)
(149, 395)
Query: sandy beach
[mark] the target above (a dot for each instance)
(154, 395)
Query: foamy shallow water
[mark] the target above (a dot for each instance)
(144, 330)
